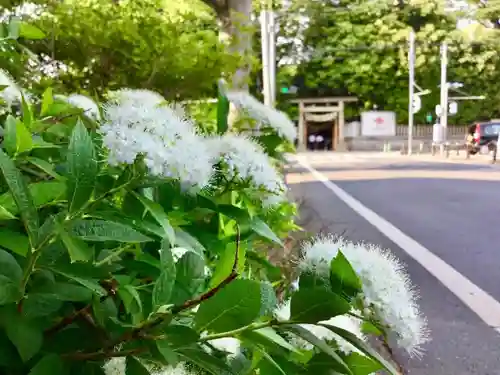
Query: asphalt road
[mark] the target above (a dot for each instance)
(453, 209)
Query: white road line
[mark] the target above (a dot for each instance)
(479, 301)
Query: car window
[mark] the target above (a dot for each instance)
(491, 129)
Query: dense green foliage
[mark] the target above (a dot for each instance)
(360, 48)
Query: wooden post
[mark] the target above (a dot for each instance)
(341, 125)
(301, 137)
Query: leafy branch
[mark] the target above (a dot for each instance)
(140, 332)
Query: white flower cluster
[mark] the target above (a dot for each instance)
(247, 161)
(348, 323)
(387, 289)
(135, 124)
(25, 10)
(12, 93)
(264, 114)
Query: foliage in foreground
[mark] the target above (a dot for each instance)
(128, 246)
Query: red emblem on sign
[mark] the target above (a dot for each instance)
(379, 120)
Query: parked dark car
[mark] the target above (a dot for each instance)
(482, 134)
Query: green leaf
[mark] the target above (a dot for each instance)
(269, 366)
(320, 344)
(159, 215)
(162, 290)
(17, 137)
(316, 304)
(190, 276)
(49, 364)
(362, 365)
(9, 135)
(103, 230)
(26, 112)
(184, 239)
(104, 310)
(14, 26)
(81, 168)
(9, 267)
(270, 335)
(26, 336)
(361, 346)
(132, 302)
(343, 278)
(47, 100)
(21, 195)
(134, 367)
(268, 300)
(6, 215)
(223, 107)
(225, 264)
(166, 350)
(29, 31)
(45, 166)
(207, 362)
(42, 193)
(10, 292)
(14, 241)
(77, 249)
(181, 335)
(262, 229)
(234, 306)
(68, 292)
(40, 304)
(89, 283)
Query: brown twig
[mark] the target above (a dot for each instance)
(85, 311)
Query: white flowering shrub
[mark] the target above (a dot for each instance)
(128, 246)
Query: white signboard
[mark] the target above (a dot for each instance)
(378, 123)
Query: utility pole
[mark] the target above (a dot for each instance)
(411, 84)
(264, 30)
(443, 120)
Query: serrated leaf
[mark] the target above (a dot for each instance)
(49, 364)
(77, 249)
(361, 346)
(21, 195)
(9, 135)
(234, 306)
(320, 344)
(14, 241)
(162, 290)
(159, 215)
(103, 230)
(42, 193)
(316, 304)
(17, 137)
(25, 335)
(81, 168)
(343, 278)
